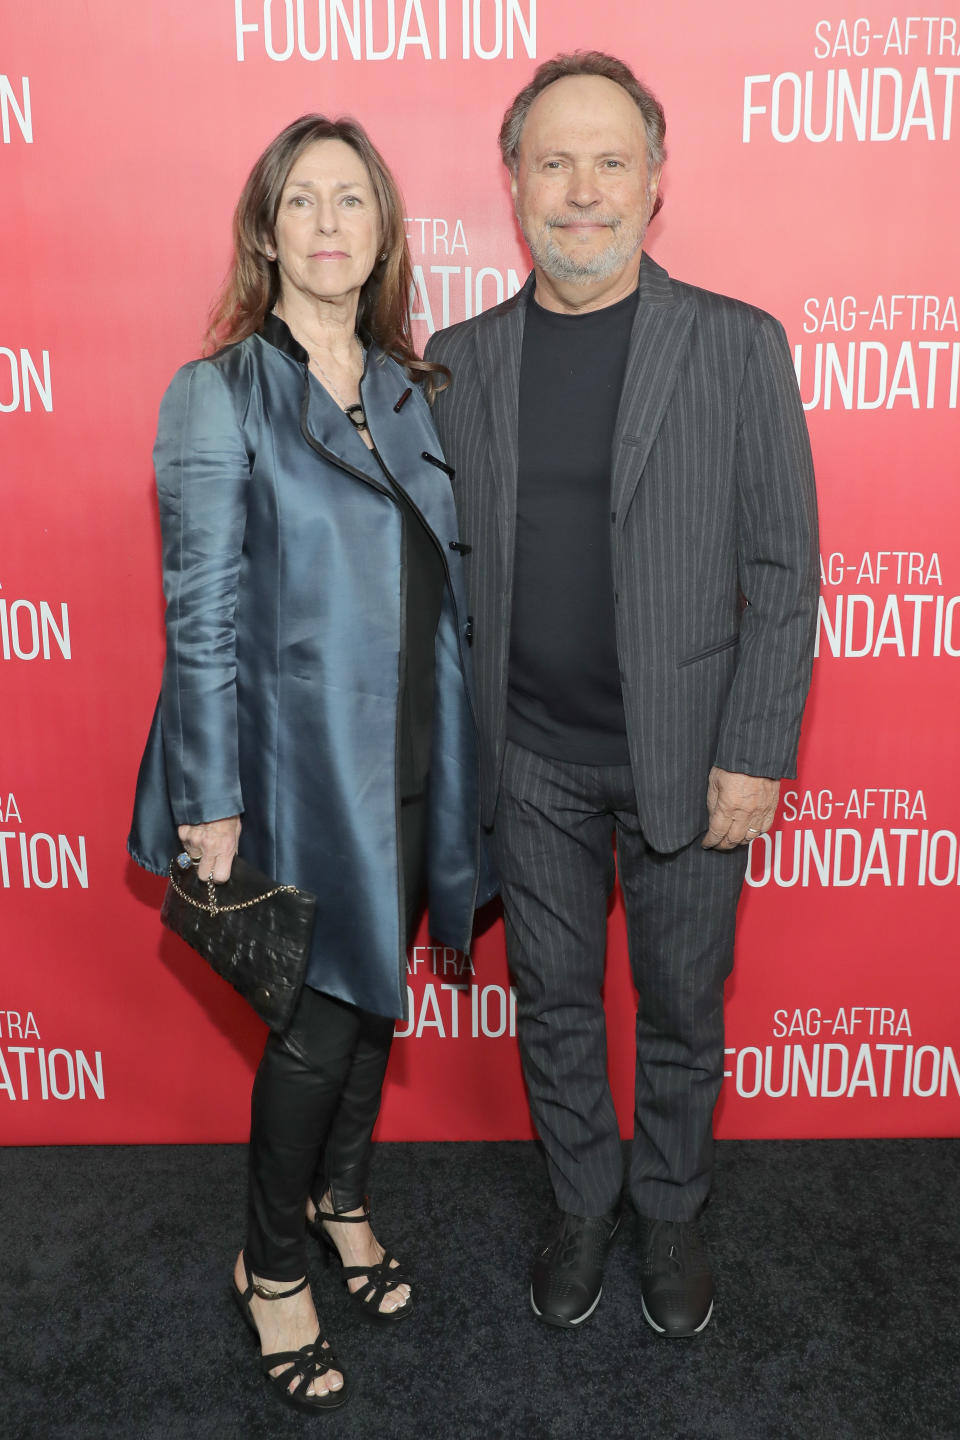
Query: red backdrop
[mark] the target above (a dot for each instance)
(812, 171)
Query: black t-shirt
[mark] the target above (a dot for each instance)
(564, 697)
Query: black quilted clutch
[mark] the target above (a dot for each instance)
(254, 932)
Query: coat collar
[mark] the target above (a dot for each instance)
(499, 338)
(277, 333)
(661, 330)
(321, 422)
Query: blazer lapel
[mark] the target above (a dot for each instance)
(499, 342)
(659, 338)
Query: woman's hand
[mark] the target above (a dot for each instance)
(213, 846)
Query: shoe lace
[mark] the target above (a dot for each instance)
(568, 1241)
(674, 1242)
(572, 1237)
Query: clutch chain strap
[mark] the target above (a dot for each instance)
(212, 908)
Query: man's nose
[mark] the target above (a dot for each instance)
(583, 189)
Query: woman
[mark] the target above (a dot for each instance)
(315, 681)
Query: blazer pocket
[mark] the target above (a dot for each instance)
(727, 644)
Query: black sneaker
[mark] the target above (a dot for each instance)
(676, 1282)
(568, 1273)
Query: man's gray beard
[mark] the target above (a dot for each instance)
(561, 266)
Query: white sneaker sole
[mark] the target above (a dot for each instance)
(565, 1324)
(683, 1334)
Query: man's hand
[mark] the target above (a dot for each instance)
(741, 807)
(213, 846)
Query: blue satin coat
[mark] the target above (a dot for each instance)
(283, 575)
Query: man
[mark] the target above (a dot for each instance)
(633, 474)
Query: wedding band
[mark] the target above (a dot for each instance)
(751, 831)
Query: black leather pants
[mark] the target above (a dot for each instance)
(316, 1097)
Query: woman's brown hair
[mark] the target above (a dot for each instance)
(252, 286)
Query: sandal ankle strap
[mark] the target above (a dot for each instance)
(339, 1218)
(266, 1293)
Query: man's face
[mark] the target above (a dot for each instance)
(583, 191)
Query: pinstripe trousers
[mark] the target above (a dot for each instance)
(552, 843)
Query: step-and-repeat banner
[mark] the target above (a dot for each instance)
(813, 171)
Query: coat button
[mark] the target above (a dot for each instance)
(468, 630)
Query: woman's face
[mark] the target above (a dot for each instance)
(328, 225)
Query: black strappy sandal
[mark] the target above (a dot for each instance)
(381, 1279)
(309, 1363)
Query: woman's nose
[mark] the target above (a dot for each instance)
(326, 217)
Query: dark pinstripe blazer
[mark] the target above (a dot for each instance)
(714, 538)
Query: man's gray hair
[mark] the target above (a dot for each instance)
(586, 62)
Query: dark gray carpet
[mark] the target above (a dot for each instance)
(837, 1265)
